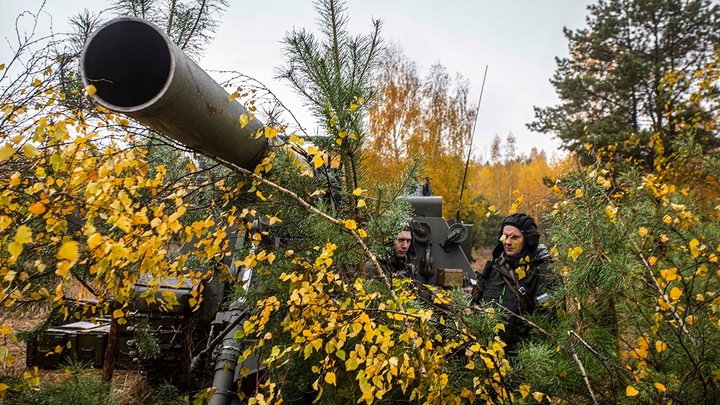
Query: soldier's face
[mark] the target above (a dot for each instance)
(402, 243)
(513, 241)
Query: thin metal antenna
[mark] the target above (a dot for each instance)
(472, 137)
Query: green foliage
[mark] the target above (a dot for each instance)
(80, 389)
(333, 72)
(168, 394)
(542, 366)
(146, 342)
(638, 254)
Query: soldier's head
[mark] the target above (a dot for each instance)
(402, 242)
(518, 235)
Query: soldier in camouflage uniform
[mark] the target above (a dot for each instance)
(518, 277)
(397, 263)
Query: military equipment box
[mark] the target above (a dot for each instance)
(450, 277)
(83, 341)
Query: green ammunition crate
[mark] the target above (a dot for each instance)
(83, 341)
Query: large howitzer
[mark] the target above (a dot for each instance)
(137, 71)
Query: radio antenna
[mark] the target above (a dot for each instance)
(472, 137)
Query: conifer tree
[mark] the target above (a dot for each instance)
(612, 84)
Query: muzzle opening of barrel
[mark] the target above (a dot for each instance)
(129, 63)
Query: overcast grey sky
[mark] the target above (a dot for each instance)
(517, 39)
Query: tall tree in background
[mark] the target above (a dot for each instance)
(420, 117)
(397, 116)
(613, 84)
(432, 117)
(333, 73)
(447, 119)
(190, 24)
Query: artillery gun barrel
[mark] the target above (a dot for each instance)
(138, 71)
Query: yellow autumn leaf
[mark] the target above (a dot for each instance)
(330, 378)
(6, 151)
(90, 90)
(350, 224)
(573, 253)
(675, 293)
(643, 231)
(351, 364)
(5, 222)
(694, 251)
(23, 235)
(63, 268)
(296, 139)
(362, 233)
(37, 209)
(14, 249)
(2, 66)
(314, 386)
(631, 391)
(94, 240)
(669, 274)
(318, 160)
(579, 193)
(361, 204)
(270, 132)
(660, 346)
(538, 396)
(313, 150)
(358, 191)
(243, 120)
(29, 150)
(660, 387)
(118, 313)
(524, 390)
(68, 251)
